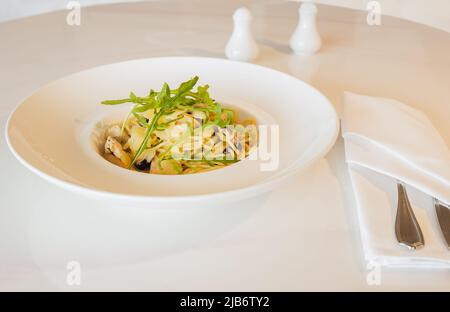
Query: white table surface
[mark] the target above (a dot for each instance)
(303, 236)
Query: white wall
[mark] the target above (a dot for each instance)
(435, 13)
(13, 9)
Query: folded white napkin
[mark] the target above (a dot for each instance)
(386, 141)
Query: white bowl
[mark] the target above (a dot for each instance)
(51, 131)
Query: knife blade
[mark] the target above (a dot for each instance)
(443, 216)
(407, 229)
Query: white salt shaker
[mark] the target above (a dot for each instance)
(242, 46)
(306, 38)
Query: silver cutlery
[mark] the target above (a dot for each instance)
(443, 216)
(407, 228)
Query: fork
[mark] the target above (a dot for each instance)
(407, 228)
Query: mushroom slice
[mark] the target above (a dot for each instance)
(115, 132)
(115, 148)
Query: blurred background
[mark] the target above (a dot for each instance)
(435, 13)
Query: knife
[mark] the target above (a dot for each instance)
(407, 228)
(443, 216)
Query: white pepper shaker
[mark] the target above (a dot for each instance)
(241, 45)
(306, 38)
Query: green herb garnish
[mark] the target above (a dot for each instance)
(182, 102)
(162, 101)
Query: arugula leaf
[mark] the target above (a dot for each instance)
(213, 160)
(142, 120)
(164, 94)
(165, 102)
(115, 102)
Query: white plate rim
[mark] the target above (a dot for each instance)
(241, 193)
